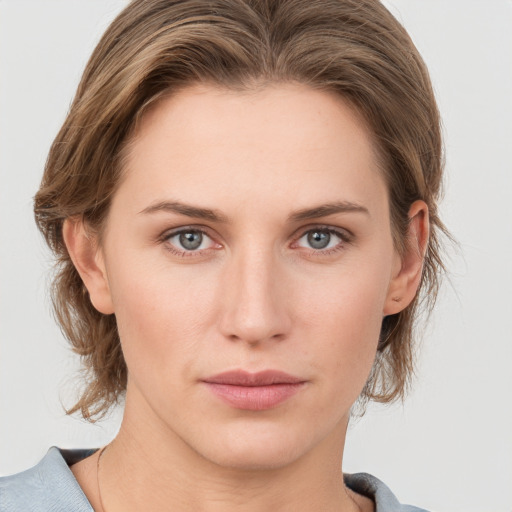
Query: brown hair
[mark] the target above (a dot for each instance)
(354, 48)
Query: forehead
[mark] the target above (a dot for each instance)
(283, 112)
(285, 138)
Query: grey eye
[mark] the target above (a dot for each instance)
(191, 240)
(321, 238)
(318, 239)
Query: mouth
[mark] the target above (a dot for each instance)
(254, 391)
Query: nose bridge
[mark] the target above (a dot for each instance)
(253, 305)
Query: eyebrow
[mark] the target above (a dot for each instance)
(185, 209)
(327, 209)
(188, 210)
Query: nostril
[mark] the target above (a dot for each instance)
(252, 305)
(257, 340)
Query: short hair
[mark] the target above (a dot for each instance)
(354, 48)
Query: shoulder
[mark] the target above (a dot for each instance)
(47, 487)
(372, 487)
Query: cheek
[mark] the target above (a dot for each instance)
(160, 317)
(168, 319)
(344, 322)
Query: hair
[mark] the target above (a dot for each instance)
(354, 48)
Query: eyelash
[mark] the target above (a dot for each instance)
(166, 237)
(344, 236)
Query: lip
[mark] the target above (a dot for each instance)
(254, 391)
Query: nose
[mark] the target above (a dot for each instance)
(255, 306)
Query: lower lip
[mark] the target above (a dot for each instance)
(254, 398)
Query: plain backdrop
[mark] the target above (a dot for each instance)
(449, 448)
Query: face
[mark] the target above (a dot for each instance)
(250, 234)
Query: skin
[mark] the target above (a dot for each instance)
(255, 295)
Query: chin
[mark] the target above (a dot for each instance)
(263, 448)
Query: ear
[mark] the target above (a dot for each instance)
(407, 272)
(88, 259)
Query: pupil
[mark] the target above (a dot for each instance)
(319, 239)
(191, 240)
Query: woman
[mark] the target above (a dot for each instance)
(242, 201)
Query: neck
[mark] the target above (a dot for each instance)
(148, 468)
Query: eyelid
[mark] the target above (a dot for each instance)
(343, 234)
(170, 233)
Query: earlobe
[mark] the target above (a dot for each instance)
(404, 284)
(88, 260)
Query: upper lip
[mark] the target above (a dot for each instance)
(263, 378)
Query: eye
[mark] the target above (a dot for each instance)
(189, 240)
(321, 239)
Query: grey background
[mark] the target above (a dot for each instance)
(450, 447)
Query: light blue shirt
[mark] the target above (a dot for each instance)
(51, 487)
